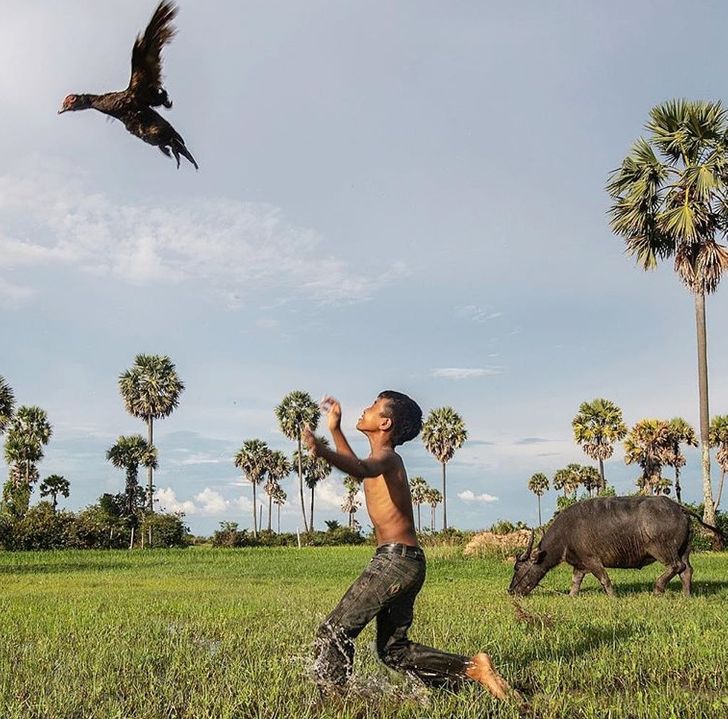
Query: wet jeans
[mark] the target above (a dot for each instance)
(386, 589)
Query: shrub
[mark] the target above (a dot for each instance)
(166, 530)
(42, 528)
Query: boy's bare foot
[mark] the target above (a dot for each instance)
(481, 670)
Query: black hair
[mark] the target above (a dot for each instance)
(405, 414)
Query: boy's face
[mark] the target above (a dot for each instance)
(373, 417)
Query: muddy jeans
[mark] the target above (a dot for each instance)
(386, 589)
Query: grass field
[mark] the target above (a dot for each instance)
(203, 633)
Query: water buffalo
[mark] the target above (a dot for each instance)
(623, 532)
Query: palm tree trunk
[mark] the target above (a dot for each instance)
(677, 485)
(270, 510)
(300, 484)
(131, 543)
(432, 517)
(279, 518)
(720, 489)
(311, 515)
(601, 474)
(150, 471)
(255, 514)
(419, 522)
(540, 524)
(444, 497)
(708, 505)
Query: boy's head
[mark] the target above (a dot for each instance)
(393, 412)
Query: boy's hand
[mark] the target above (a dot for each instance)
(311, 441)
(332, 408)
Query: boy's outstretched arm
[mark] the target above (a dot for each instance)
(351, 464)
(333, 416)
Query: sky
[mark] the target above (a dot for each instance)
(405, 196)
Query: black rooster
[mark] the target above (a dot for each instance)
(133, 106)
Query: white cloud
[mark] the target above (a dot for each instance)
(169, 502)
(469, 496)
(465, 372)
(330, 494)
(201, 459)
(211, 502)
(238, 248)
(208, 503)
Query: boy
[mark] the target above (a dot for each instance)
(387, 588)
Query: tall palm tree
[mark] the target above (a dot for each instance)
(442, 433)
(315, 469)
(28, 432)
(649, 445)
(670, 202)
(279, 499)
(296, 411)
(52, 486)
(680, 433)
(129, 453)
(719, 438)
(351, 503)
(418, 489)
(151, 390)
(538, 484)
(253, 459)
(7, 404)
(277, 470)
(433, 497)
(597, 426)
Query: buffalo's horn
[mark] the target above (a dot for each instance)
(527, 553)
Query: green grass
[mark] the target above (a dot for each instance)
(228, 633)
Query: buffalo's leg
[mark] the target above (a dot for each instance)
(686, 577)
(576, 581)
(597, 569)
(673, 568)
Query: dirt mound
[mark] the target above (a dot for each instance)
(504, 544)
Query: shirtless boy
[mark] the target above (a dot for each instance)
(387, 588)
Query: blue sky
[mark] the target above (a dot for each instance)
(405, 196)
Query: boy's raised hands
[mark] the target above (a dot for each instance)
(332, 408)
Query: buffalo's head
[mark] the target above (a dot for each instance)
(528, 570)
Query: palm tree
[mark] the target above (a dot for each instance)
(278, 469)
(253, 459)
(670, 202)
(129, 453)
(296, 411)
(151, 390)
(52, 486)
(28, 432)
(7, 404)
(719, 438)
(538, 484)
(680, 432)
(596, 427)
(590, 478)
(351, 503)
(314, 470)
(568, 478)
(649, 445)
(418, 489)
(443, 433)
(433, 497)
(279, 499)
